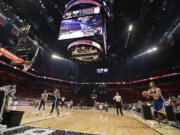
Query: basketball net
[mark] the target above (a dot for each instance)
(27, 65)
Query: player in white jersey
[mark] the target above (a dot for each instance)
(43, 100)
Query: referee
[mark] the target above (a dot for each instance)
(57, 97)
(119, 103)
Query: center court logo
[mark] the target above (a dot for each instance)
(40, 131)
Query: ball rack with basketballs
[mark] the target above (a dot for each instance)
(83, 30)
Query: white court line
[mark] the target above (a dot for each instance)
(13, 128)
(50, 117)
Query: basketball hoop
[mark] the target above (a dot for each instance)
(93, 96)
(27, 65)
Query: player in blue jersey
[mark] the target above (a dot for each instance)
(159, 103)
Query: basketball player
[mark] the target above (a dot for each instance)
(159, 102)
(119, 103)
(36, 103)
(43, 100)
(63, 100)
(55, 104)
(81, 104)
(71, 103)
(106, 106)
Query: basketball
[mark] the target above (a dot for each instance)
(145, 94)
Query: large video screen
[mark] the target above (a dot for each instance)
(81, 12)
(102, 70)
(81, 27)
(99, 3)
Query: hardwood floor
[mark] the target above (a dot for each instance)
(89, 121)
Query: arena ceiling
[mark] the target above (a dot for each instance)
(151, 20)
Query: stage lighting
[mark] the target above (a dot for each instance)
(54, 56)
(154, 49)
(130, 27)
(146, 52)
(149, 51)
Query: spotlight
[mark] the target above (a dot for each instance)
(130, 27)
(149, 51)
(54, 56)
(154, 49)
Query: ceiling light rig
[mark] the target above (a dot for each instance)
(57, 57)
(154, 49)
(130, 28)
(54, 56)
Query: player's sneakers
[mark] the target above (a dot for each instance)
(58, 116)
(37, 112)
(168, 127)
(156, 127)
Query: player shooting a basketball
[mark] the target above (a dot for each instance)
(159, 102)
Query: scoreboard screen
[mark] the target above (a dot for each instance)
(81, 27)
(102, 70)
(81, 12)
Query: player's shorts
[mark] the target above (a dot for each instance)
(159, 109)
(157, 114)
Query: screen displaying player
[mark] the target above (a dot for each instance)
(81, 27)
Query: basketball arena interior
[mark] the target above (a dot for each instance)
(89, 67)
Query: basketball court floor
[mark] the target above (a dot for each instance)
(94, 122)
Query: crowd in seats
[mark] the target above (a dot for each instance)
(138, 76)
(158, 72)
(131, 94)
